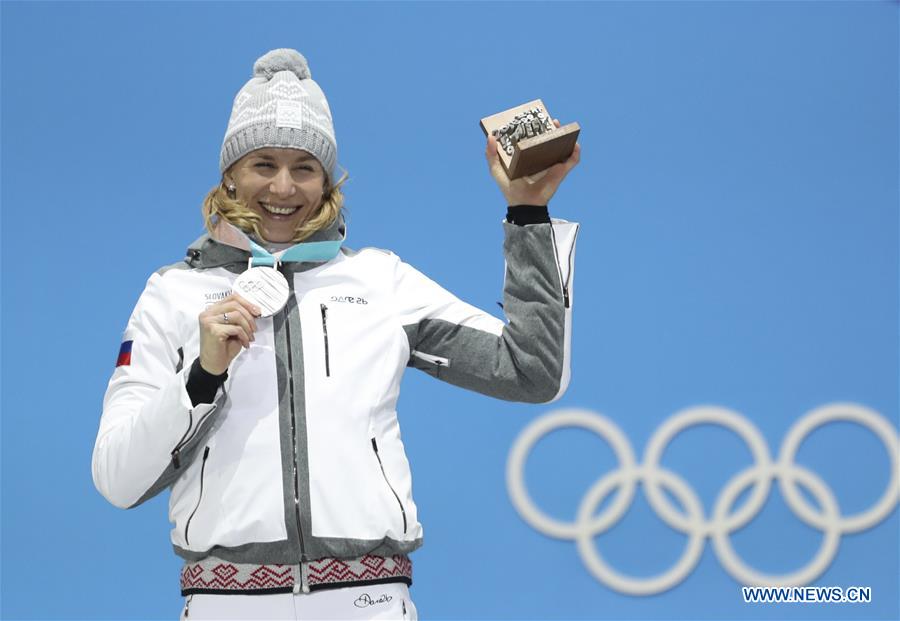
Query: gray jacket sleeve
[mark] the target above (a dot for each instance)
(525, 358)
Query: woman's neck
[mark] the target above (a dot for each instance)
(272, 246)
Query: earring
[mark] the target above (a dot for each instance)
(231, 187)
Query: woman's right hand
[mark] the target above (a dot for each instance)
(225, 327)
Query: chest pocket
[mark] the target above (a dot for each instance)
(344, 337)
(351, 353)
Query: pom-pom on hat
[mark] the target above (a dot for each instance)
(280, 106)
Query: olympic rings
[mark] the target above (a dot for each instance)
(692, 521)
(515, 470)
(857, 414)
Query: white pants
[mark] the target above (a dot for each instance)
(379, 601)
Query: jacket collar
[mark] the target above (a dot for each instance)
(229, 246)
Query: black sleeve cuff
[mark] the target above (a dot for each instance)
(527, 214)
(202, 385)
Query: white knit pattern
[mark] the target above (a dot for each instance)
(255, 107)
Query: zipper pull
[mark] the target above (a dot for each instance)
(176, 452)
(304, 576)
(374, 445)
(566, 296)
(205, 453)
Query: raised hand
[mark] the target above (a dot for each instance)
(536, 190)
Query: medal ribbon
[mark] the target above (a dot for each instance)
(309, 251)
(226, 233)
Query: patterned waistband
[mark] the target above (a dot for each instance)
(212, 575)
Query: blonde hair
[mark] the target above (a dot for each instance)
(220, 203)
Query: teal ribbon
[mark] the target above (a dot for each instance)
(309, 251)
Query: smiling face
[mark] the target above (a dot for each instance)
(284, 186)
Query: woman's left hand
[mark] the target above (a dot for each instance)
(521, 191)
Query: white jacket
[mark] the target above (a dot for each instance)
(300, 457)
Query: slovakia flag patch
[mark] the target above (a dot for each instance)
(124, 354)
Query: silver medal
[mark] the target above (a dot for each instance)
(265, 287)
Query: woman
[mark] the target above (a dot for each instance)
(271, 413)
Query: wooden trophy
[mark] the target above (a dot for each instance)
(527, 140)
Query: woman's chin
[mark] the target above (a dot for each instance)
(279, 232)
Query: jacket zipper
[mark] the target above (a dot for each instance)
(325, 334)
(565, 285)
(435, 360)
(290, 360)
(176, 452)
(384, 474)
(569, 275)
(188, 436)
(199, 498)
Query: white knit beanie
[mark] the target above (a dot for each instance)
(280, 106)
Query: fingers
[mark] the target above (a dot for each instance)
(240, 317)
(225, 331)
(490, 151)
(493, 159)
(225, 327)
(574, 158)
(576, 152)
(233, 313)
(235, 303)
(251, 308)
(237, 327)
(559, 171)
